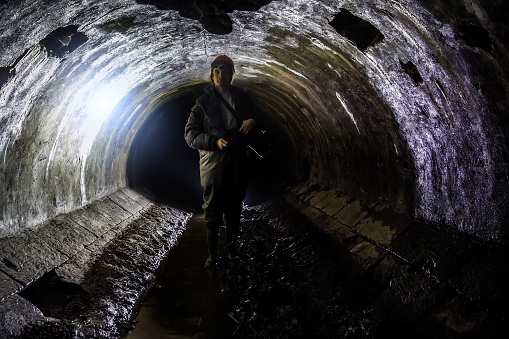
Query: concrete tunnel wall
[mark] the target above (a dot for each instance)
(416, 117)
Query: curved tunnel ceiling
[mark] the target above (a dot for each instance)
(391, 101)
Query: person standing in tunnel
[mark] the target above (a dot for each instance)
(217, 128)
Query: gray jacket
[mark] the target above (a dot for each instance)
(205, 126)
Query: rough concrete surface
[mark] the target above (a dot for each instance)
(60, 257)
(35, 258)
(439, 275)
(391, 109)
(402, 102)
(296, 274)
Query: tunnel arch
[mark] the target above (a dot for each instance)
(163, 167)
(442, 154)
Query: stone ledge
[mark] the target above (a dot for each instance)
(26, 265)
(132, 204)
(64, 235)
(420, 261)
(97, 288)
(7, 284)
(336, 213)
(68, 242)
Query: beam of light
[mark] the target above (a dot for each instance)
(100, 104)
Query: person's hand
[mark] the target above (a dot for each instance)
(247, 126)
(222, 144)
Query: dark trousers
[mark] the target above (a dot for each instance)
(223, 196)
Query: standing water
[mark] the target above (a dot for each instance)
(287, 280)
(186, 300)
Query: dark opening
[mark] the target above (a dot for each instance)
(474, 36)
(412, 71)
(164, 168)
(56, 298)
(63, 40)
(212, 14)
(5, 74)
(359, 32)
(160, 164)
(9, 264)
(306, 169)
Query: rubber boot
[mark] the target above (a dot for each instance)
(212, 237)
(232, 218)
(231, 241)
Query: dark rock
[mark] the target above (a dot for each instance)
(5, 74)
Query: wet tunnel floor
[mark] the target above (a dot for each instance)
(288, 280)
(283, 283)
(185, 301)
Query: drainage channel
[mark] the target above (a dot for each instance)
(186, 300)
(288, 280)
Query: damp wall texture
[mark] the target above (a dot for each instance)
(404, 103)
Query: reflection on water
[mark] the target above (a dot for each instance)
(185, 301)
(287, 281)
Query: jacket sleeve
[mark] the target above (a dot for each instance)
(195, 134)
